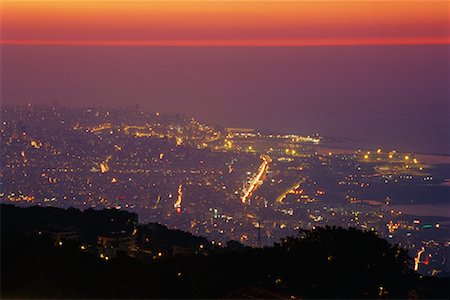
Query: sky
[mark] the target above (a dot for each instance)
(229, 22)
(373, 71)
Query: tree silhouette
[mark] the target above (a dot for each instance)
(337, 261)
(328, 262)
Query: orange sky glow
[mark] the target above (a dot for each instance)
(224, 23)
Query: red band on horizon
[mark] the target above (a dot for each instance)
(236, 43)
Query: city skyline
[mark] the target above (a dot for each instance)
(316, 65)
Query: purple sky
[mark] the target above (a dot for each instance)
(387, 96)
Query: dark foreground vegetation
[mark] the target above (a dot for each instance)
(320, 263)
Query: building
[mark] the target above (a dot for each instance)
(111, 245)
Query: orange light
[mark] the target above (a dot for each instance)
(240, 23)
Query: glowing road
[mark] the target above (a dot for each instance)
(257, 179)
(417, 259)
(283, 196)
(177, 204)
(104, 164)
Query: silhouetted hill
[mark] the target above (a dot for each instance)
(321, 263)
(90, 223)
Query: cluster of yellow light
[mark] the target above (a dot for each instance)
(292, 190)
(157, 202)
(177, 204)
(126, 128)
(392, 226)
(104, 165)
(228, 144)
(255, 182)
(391, 154)
(417, 259)
(308, 139)
(320, 192)
(13, 198)
(36, 144)
(101, 127)
(381, 291)
(141, 134)
(290, 151)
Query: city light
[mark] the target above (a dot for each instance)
(177, 204)
(288, 190)
(256, 180)
(219, 149)
(417, 259)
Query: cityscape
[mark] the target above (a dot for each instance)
(221, 183)
(224, 149)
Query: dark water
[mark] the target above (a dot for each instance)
(419, 134)
(424, 210)
(380, 96)
(360, 131)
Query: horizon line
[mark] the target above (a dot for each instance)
(236, 43)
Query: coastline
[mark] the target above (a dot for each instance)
(428, 158)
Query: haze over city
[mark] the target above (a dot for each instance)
(372, 71)
(231, 149)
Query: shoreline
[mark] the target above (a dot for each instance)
(428, 158)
